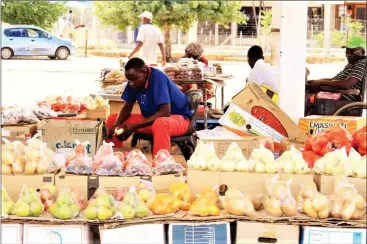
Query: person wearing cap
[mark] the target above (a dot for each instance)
(351, 77)
(165, 110)
(149, 37)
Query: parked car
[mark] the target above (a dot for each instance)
(28, 40)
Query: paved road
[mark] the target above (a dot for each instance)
(27, 80)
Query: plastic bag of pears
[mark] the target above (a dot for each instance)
(7, 204)
(205, 203)
(204, 157)
(132, 206)
(29, 203)
(234, 160)
(102, 206)
(67, 205)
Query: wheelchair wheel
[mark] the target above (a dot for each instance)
(348, 107)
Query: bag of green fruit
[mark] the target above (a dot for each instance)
(132, 206)
(102, 206)
(66, 206)
(7, 204)
(29, 203)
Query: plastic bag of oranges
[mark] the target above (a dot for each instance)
(181, 191)
(206, 204)
(164, 204)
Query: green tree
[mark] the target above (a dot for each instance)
(39, 13)
(265, 27)
(181, 14)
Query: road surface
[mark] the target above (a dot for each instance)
(27, 80)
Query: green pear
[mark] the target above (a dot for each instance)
(4, 195)
(7, 207)
(22, 209)
(91, 213)
(27, 198)
(65, 212)
(141, 210)
(145, 195)
(127, 211)
(75, 208)
(64, 199)
(54, 210)
(130, 198)
(104, 213)
(36, 209)
(103, 201)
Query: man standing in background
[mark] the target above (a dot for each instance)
(149, 37)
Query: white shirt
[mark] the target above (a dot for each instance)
(265, 74)
(150, 36)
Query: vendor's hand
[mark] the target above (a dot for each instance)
(111, 131)
(309, 81)
(315, 85)
(128, 130)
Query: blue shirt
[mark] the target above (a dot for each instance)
(160, 90)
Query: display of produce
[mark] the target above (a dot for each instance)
(205, 204)
(196, 72)
(133, 206)
(170, 71)
(237, 203)
(112, 89)
(329, 140)
(101, 206)
(68, 205)
(7, 204)
(78, 161)
(164, 203)
(218, 68)
(292, 162)
(163, 163)
(182, 73)
(25, 115)
(262, 161)
(35, 158)
(360, 140)
(95, 103)
(181, 191)
(278, 200)
(313, 203)
(106, 162)
(66, 104)
(29, 203)
(310, 157)
(136, 164)
(113, 76)
(347, 203)
(48, 195)
(338, 163)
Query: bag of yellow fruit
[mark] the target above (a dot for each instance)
(181, 191)
(164, 203)
(206, 204)
(234, 202)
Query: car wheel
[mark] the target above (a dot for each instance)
(62, 53)
(52, 57)
(6, 53)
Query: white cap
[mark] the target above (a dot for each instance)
(146, 14)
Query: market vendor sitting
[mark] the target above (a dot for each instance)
(351, 77)
(165, 110)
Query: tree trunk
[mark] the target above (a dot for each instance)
(167, 41)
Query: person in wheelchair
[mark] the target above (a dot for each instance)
(348, 84)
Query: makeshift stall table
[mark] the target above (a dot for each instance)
(217, 82)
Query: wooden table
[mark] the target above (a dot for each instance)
(203, 82)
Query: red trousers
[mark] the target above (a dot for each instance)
(162, 129)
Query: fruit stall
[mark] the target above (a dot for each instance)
(258, 178)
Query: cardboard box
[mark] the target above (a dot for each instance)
(111, 183)
(249, 183)
(138, 234)
(14, 183)
(321, 235)
(247, 144)
(197, 179)
(98, 114)
(77, 182)
(243, 123)
(255, 101)
(161, 183)
(21, 130)
(325, 184)
(11, 233)
(199, 233)
(266, 233)
(297, 181)
(62, 133)
(66, 234)
(315, 124)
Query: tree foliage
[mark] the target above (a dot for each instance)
(40, 13)
(179, 13)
